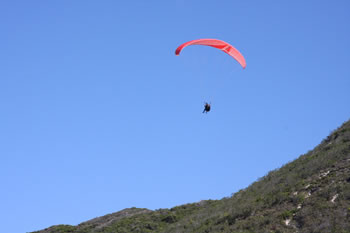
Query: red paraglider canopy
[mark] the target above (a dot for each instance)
(219, 44)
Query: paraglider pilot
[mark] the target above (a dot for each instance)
(206, 108)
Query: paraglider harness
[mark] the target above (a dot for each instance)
(206, 108)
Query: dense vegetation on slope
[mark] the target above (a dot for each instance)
(310, 194)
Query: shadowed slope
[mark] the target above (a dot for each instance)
(310, 194)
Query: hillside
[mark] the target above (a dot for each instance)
(310, 194)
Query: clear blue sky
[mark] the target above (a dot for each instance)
(97, 114)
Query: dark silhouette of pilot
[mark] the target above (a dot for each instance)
(206, 108)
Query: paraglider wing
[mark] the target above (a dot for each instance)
(219, 44)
